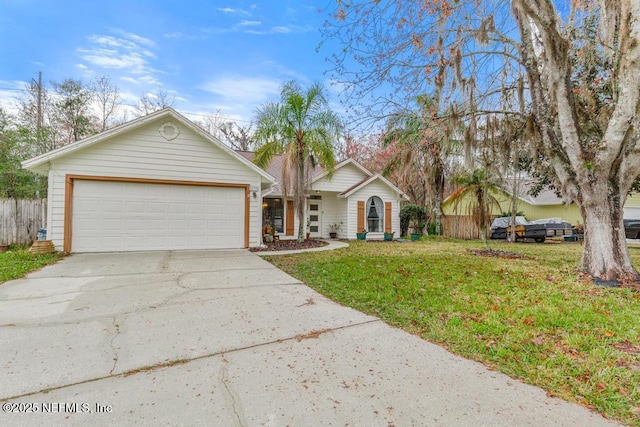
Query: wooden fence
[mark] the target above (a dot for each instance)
(460, 227)
(20, 220)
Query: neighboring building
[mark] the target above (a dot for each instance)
(352, 197)
(545, 205)
(632, 207)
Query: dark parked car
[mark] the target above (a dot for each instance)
(632, 228)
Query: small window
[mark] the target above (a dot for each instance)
(375, 215)
(315, 197)
(313, 229)
(313, 218)
(313, 207)
(272, 213)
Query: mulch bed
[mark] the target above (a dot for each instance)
(494, 253)
(290, 245)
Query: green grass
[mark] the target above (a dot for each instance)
(535, 319)
(17, 262)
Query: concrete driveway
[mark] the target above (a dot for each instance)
(224, 338)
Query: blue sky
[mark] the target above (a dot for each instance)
(212, 55)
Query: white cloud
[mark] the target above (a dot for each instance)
(87, 72)
(105, 59)
(179, 35)
(239, 96)
(129, 79)
(149, 79)
(286, 72)
(10, 92)
(128, 52)
(174, 35)
(232, 11)
(135, 38)
(282, 29)
(130, 97)
(244, 89)
(249, 23)
(142, 80)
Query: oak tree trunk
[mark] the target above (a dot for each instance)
(598, 177)
(605, 254)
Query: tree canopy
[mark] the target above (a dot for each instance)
(562, 76)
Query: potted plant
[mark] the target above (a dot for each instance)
(416, 234)
(333, 229)
(388, 236)
(362, 235)
(267, 234)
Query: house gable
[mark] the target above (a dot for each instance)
(358, 197)
(378, 179)
(345, 176)
(143, 152)
(165, 130)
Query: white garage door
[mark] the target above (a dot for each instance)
(126, 216)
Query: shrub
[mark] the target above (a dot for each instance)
(411, 213)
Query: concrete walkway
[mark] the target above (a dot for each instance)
(223, 338)
(331, 245)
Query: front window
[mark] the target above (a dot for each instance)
(273, 214)
(375, 213)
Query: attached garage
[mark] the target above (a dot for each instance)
(137, 216)
(156, 183)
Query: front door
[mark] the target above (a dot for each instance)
(314, 218)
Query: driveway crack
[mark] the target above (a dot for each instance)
(164, 262)
(223, 380)
(113, 347)
(228, 392)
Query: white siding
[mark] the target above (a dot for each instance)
(144, 153)
(344, 178)
(50, 200)
(375, 188)
(334, 210)
(633, 201)
(631, 213)
(632, 207)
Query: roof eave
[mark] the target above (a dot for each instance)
(266, 177)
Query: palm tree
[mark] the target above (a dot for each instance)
(304, 130)
(476, 188)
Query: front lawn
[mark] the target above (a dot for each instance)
(532, 318)
(17, 262)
